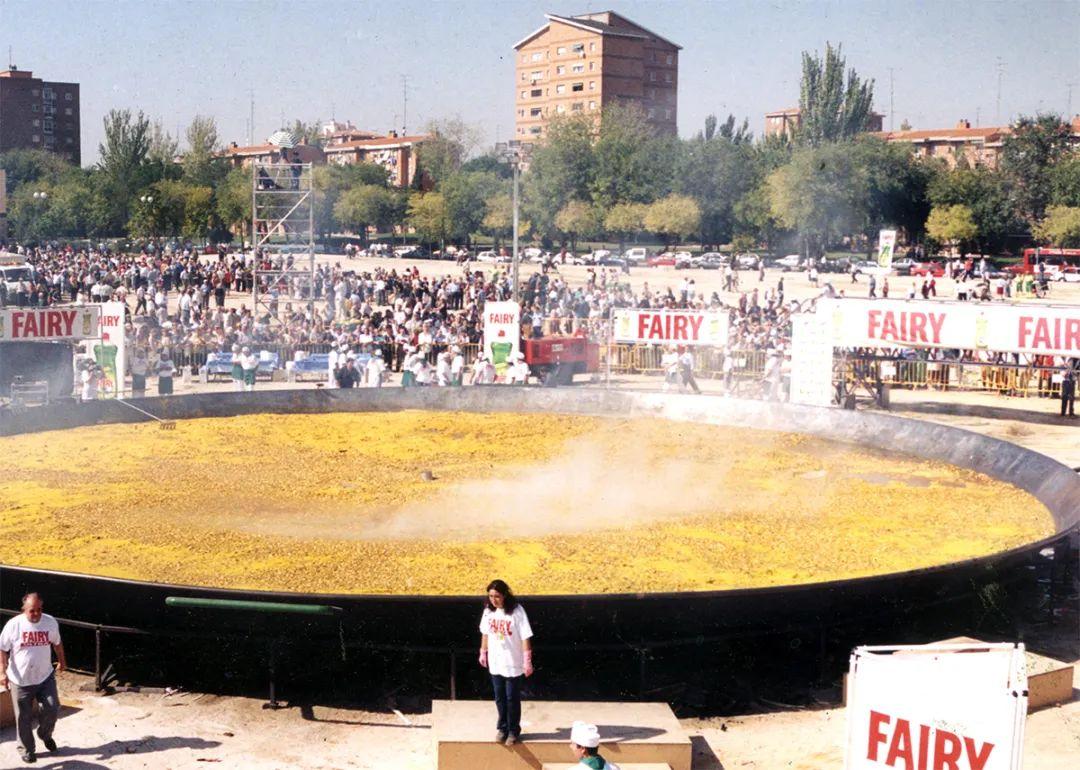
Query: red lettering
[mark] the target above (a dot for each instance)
(642, 321)
(1072, 334)
(918, 328)
(924, 746)
(888, 327)
(53, 324)
(1041, 337)
(937, 320)
(900, 746)
(32, 329)
(873, 321)
(69, 321)
(679, 327)
(695, 326)
(1025, 322)
(977, 759)
(17, 320)
(877, 735)
(946, 758)
(656, 328)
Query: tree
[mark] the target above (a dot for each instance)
(624, 220)
(162, 153)
(233, 201)
(830, 109)
(561, 170)
(449, 144)
(331, 181)
(754, 220)
(740, 135)
(1029, 152)
(499, 217)
(1065, 181)
(674, 217)
(1060, 227)
(630, 162)
(429, 214)
(367, 206)
(32, 166)
(951, 225)
(716, 173)
(308, 133)
(201, 165)
(983, 191)
(123, 154)
(465, 194)
(577, 218)
(890, 187)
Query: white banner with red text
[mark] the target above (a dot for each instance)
(50, 324)
(111, 353)
(924, 707)
(671, 327)
(502, 333)
(999, 328)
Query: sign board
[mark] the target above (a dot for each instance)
(51, 324)
(674, 327)
(960, 707)
(502, 333)
(112, 354)
(886, 248)
(999, 328)
(811, 360)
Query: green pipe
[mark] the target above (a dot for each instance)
(235, 604)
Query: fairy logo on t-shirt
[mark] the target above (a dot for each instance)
(501, 627)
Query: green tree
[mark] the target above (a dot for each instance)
(1065, 181)
(25, 167)
(561, 170)
(465, 194)
(830, 108)
(449, 144)
(716, 173)
(754, 221)
(123, 154)
(624, 220)
(673, 218)
(951, 225)
(331, 181)
(201, 164)
(233, 202)
(367, 206)
(630, 162)
(1029, 152)
(430, 215)
(1060, 227)
(577, 218)
(890, 187)
(813, 195)
(983, 191)
(308, 133)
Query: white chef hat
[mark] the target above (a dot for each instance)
(585, 735)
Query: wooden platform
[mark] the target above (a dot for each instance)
(630, 733)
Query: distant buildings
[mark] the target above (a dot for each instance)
(787, 122)
(38, 114)
(978, 146)
(582, 64)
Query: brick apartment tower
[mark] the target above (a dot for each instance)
(38, 114)
(582, 64)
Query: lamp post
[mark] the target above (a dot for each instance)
(515, 153)
(146, 201)
(39, 202)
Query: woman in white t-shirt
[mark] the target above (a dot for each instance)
(506, 652)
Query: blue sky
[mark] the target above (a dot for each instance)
(317, 58)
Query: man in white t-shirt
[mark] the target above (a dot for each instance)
(26, 669)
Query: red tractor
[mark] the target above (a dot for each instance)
(555, 360)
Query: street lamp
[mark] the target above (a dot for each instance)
(40, 196)
(146, 201)
(39, 200)
(516, 154)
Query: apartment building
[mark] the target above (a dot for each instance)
(582, 64)
(787, 122)
(38, 114)
(397, 154)
(242, 157)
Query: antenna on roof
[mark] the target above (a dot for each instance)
(1000, 72)
(404, 104)
(10, 59)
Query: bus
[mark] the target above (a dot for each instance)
(1060, 264)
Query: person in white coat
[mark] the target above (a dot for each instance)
(669, 363)
(442, 369)
(519, 370)
(249, 361)
(375, 370)
(585, 743)
(457, 366)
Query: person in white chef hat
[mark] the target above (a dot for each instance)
(585, 743)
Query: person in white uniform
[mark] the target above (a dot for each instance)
(506, 652)
(249, 361)
(26, 646)
(375, 370)
(585, 743)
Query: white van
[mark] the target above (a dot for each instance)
(637, 255)
(13, 275)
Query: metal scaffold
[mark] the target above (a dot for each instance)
(283, 232)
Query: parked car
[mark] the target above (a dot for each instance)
(636, 255)
(935, 269)
(667, 259)
(533, 254)
(712, 260)
(612, 260)
(747, 261)
(788, 263)
(487, 256)
(903, 266)
(1068, 274)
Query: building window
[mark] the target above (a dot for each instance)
(521, 113)
(670, 59)
(592, 85)
(523, 76)
(652, 112)
(654, 57)
(67, 110)
(592, 46)
(577, 107)
(69, 140)
(560, 89)
(652, 76)
(667, 77)
(35, 138)
(592, 105)
(560, 50)
(34, 107)
(68, 96)
(560, 70)
(560, 108)
(591, 65)
(35, 123)
(652, 93)
(535, 130)
(538, 56)
(578, 68)
(579, 48)
(534, 112)
(536, 92)
(34, 92)
(667, 114)
(577, 87)
(536, 74)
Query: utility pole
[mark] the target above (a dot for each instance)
(1068, 109)
(1000, 72)
(251, 120)
(978, 114)
(892, 121)
(404, 104)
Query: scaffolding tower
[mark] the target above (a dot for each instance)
(283, 234)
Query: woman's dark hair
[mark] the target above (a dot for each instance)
(509, 602)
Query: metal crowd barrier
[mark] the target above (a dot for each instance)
(1025, 380)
